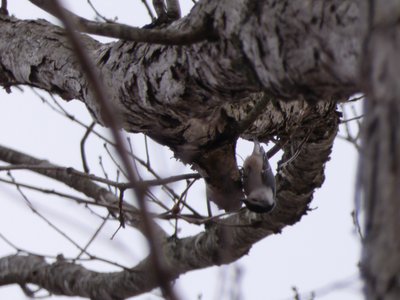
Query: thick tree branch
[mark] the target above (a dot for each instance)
(260, 47)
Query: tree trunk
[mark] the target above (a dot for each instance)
(381, 153)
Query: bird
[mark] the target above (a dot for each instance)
(258, 181)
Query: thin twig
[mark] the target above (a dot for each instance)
(298, 150)
(66, 196)
(351, 119)
(82, 146)
(60, 110)
(79, 200)
(328, 289)
(357, 136)
(98, 14)
(120, 204)
(275, 149)
(114, 160)
(12, 245)
(90, 256)
(184, 193)
(356, 98)
(120, 185)
(107, 180)
(164, 181)
(354, 215)
(209, 212)
(349, 136)
(155, 200)
(35, 211)
(96, 233)
(133, 158)
(197, 33)
(152, 17)
(147, 152)
(117, 180)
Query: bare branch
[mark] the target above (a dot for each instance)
(78, 200)
(349, 136)
(79, 183)
(83, 141)
(3, 8)
(352, 119)
(149, 10)
(84, 249)
(119, 168)
(58, 108)
(173, 9)
(198, 33)
(152, 182)
(41, 216)
(106, 180)
(329, 288)
(147, 151)
(98, 14)
(159, 7)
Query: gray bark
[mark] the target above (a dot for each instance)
(380, 161)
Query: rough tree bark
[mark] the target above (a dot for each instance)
(381, 152)
(304, 54)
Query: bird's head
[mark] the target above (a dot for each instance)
(260, 200)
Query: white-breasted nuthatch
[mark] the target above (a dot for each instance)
(258, 181)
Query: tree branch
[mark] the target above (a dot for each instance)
(121, 185)
(199, 32)
(78, 183)
(163, 83)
